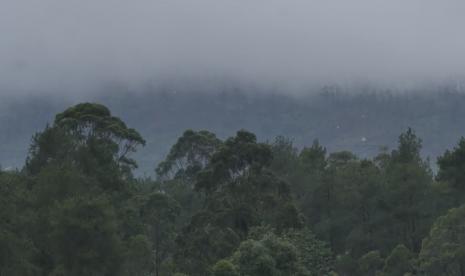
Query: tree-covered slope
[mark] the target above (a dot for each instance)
(362, 122)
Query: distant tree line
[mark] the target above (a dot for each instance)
(226, 207)
(360, 120)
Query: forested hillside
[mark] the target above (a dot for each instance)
(232, 138)
(230, 205)
(362, 120)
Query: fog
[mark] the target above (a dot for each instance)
(77, 45)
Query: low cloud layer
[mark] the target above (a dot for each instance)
(60, 45)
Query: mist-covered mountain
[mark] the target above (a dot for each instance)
(361, 121)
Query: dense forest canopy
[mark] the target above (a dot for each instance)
(230, 206)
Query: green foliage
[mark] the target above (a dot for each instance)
(238, 207)
(240, 192)
(346, 265)
(285, 155)
(306, 176)
(88, 217)
(183, 193)
(188, 155)
(90, 138)
(272, 255)
(359, 206)
(451, 167)
(370, 263)
(443, 250)
(138, 256)
(237, 157)
(159, 212)
(202, 243)
(84, 235)
(17, 250)
(290, 253)
(313, 255)
(56, 182)
(408, 149)
(224, 268)
(408, 185)
(177, 173)
(95, 120)
(50, 144)
(399, 262)
(314, 158)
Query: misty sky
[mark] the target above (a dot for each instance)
(57, 44)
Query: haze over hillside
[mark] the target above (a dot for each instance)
(269, 52)
(363, 122)
(229, 137)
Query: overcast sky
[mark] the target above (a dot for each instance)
(57, 44)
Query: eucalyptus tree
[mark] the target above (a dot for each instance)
(239, 192)
(86, 136)
(451, 171)
(79, 172)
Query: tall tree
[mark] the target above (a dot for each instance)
(240, 192)
(451, 171)
(80, 176)
(90, 138)
(159, 212)
(408, 182)
(190, 154)
(177, 173)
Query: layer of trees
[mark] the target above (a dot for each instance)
(234, 206)
(339, 117)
